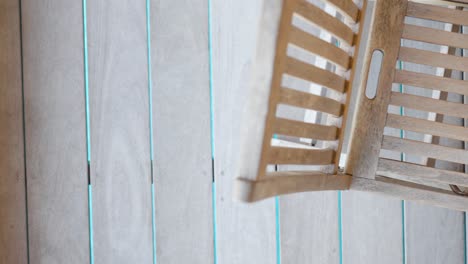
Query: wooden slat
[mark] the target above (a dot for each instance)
(404, 170)
(280, 183)
(369, 121)
(348, 8)
(431, 82)
(319, 47)
(181, 118)
(433, 59)
(424, 149)
(13, 241)
(325, 21)
(437, 13)
(409, 191)
(55, 131)
(310, 101)
(238, 223)
(429, 104)
(435, 36)
(279, 155)
(307, 130)
(120, 161)
(314, 74)
(427, 127)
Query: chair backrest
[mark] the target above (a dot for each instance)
(390, 26)
(268, 138)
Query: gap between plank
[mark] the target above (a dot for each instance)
(88, 140)
(212, 134)
(24, 131)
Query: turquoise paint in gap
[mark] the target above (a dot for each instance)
(278, 231)
(90, 209)
(403, 203)
(464, 235)
(212, 134)
(88, 134)
(150, 122)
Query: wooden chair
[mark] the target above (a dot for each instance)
(266, 137)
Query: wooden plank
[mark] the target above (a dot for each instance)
(13, 237)
(280, 155)
(431, 82)
(403, 170)
(437, 13)
(427, 127)
(310, 101)
(239, 224)
(319, 47)
(306, 130)
(424, 149)
(55, 131)
(314, 74)
(436, 59)
(281, 183)
(429, 105)
(435, 36)
(119, 114)
(325, 21)
(181, 118)
(347, 8)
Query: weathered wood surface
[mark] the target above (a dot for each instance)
(181, 122)
(55, 131)
(246, 232)
(119, 116)
(13, 237)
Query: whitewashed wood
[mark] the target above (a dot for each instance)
(181, 123)
(119, 114)
(13, 238)
(55, 131)
(246, 232)
(433, 235)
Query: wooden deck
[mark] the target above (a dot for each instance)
(135, 118)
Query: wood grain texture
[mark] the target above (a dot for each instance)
(280, 155)
(437, 13)
(315, 74)
(433, 59)
(429, 105)
(347, 7)
(431, 82)
(181, 118)
(369, 121)
(325, 21)
(319, 47)
(55, 131)
(119, 114)
(435, 36)
(246, 232)
(424, 149)
(427, 127)
(289, 182)
(13, 238)
(306, 130)
(310, 101)
(419, 173)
